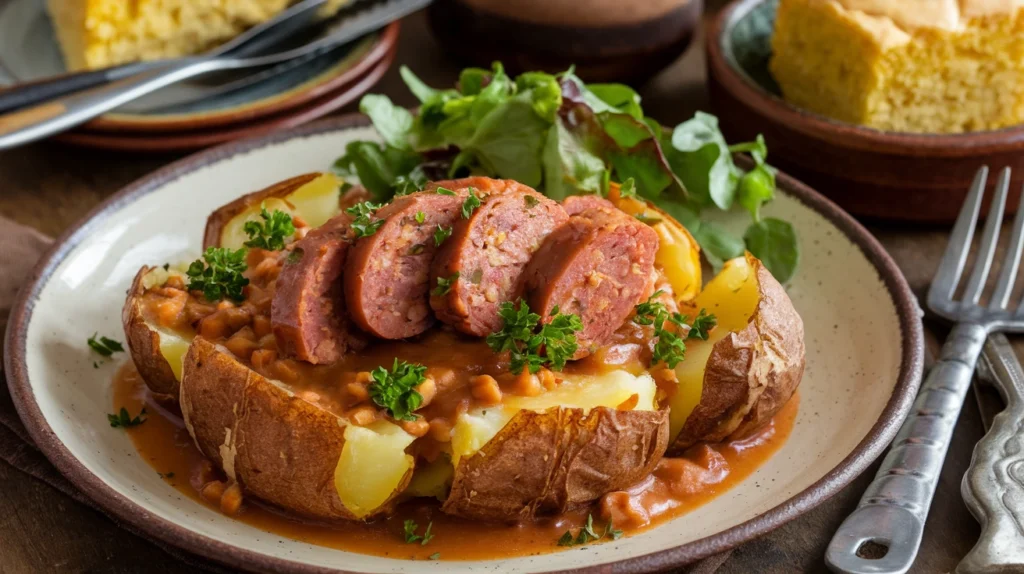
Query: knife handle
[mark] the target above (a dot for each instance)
(883, 535)
(38, 91)
(993, 487)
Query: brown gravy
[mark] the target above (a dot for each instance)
(165, 445)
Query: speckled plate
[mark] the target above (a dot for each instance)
(864, 358)
(29, 51)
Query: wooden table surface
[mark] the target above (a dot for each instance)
(50, 186)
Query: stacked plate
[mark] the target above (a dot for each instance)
(205, 111)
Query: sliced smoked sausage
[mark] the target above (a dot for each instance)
(576, 203)
(480, 266)
(308, 310)
(387, 274)
(599, 265)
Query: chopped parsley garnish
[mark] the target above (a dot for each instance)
(295, 256)
(168, 475)
(469, 206)
(167, 266)
(553, 345)
(123, 420)
(220, 276)
(441, 233)
(587, 534)
(444, 285)
(702, 325)
(104, 346)
(444, 191)
(417, 249)
(434, 556)
(362, 225)
(420, 217)
(410, 528)
(272, 232)
(530, 201)
(670, 347)
(628, 188)
(395, 390)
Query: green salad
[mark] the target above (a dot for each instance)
(563, 137)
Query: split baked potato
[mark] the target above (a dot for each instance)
(751, 364)
(158, 352)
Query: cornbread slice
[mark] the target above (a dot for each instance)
(925, 66)
(100, 33)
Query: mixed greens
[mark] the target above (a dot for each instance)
(564, 137)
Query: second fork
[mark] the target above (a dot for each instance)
(884, 533)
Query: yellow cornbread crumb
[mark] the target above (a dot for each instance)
(100, 33)
(925, 66)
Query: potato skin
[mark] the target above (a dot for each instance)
(542, 464)
(144, 342)
(279, 447)
(218, 219)
(751, 373)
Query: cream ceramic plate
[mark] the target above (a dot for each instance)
(864, 350)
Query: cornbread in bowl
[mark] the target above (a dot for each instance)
(923, 66)
(101, 33)
(871, 172)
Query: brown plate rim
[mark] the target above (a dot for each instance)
(836, 132)
(169, 143)
(121, 507)
(327, 82)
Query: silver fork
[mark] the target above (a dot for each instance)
(884, 533)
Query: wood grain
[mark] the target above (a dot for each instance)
(49, 186)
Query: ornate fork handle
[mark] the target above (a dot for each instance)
(993, 486)
(894, 507)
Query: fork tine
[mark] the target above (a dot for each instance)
(959, 245)
(1011, 262)
(989, 240)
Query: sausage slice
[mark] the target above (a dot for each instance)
(598, 266)
(308, 310)
(575, 204)
(387, 274)
(489, 251)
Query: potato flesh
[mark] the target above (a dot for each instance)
(372, 465)
(314, 202)
(432, 480)
(474, 428)
(732, 296)
(172, 345)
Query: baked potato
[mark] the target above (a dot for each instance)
(313, 197)
(752, 362)
(528, 456)
(285, 450)
(157, 351)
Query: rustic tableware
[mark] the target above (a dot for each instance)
(606, 41)
(156, 143)
(864, 360)
(29, 51)
(900, 176)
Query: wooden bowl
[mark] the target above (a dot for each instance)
(624, 42)
(871, 173)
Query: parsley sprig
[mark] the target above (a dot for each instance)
(123, 420)
(587, 534)
(553, 345)
(444, 191)
(445, 284)
(362, 225)
(219, 274)
(272, 232)
(469, 206)
(395, 390)
(670, 347)
(410, 527)
(104, 346)
(440, 234)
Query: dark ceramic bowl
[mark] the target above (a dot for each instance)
(871, 173)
